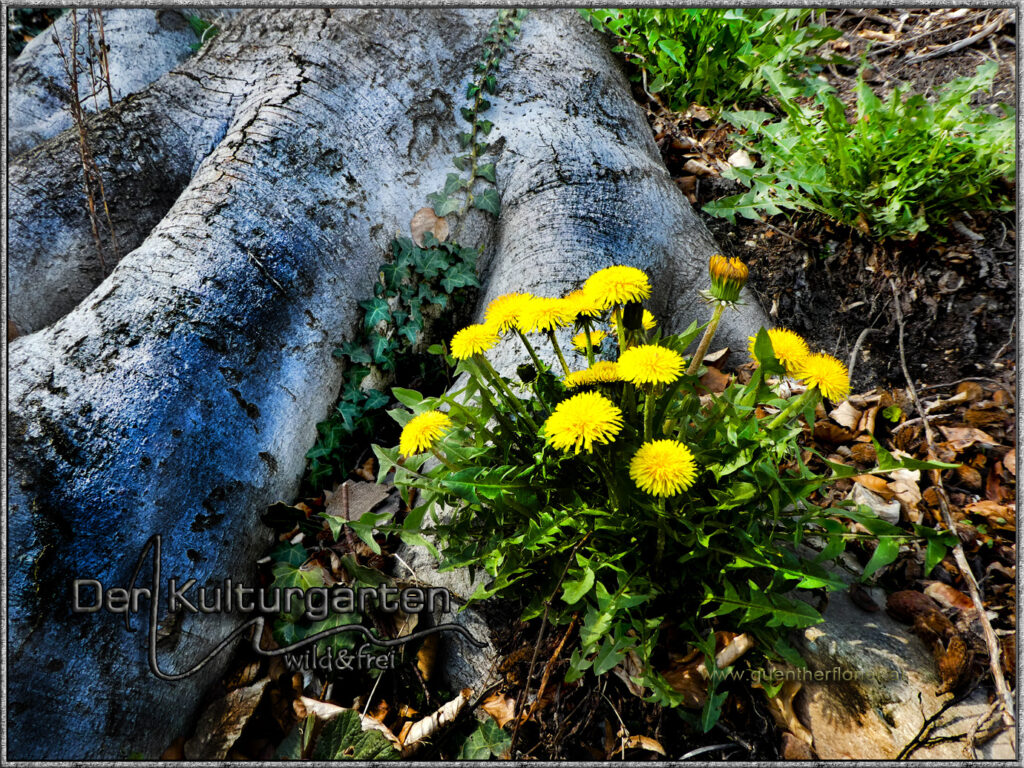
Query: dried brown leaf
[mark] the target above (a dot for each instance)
(501, 707)
(425, 220)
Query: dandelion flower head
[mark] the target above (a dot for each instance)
(473, 340)
(596, 337)
(422, 432)
(617, 285)
(542, 314)
(650, 364)
(503, 313)
(663, 468)
(583, 420)
(827, 374)
(790, 349)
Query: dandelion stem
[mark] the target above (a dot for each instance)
(705, 342)
(620, 329)
(659, 544)
(443, 459)
(590, 344)
(558, 351)
(486, 397)
(794, 407)
(649, 413)
(531, 350)
(513, 401)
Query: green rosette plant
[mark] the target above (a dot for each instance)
(614, 490)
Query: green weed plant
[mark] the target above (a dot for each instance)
(713, 56)
(903, 166)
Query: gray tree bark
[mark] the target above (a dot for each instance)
(258, 185)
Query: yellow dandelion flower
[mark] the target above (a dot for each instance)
(583, 420)
(504, 311)
(423, 431)
(580, 339)
(648, 321)
(663, 468)
(545, 314)
(473, 340)
(650, 364)
(578, 379)
(789, 348)
(728, 276)
(584, 305)
(827, 374)
(617, 285)
(605, 372)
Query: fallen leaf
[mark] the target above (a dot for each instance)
(428, 726)
(1010, 462)
(969, 476)
(714, 380)
(845, 415)
(627, 669)
(885, 510)
(176, 751)
(971, 390)
(687, 183)
(698, 168)
(875, 484)
(643, 742)
(1000, 516)
(864, 453)
(948, 596)
(782, 710)
(740, 159)
(425, 220)
(501, 707)
(904, 486)
(353, 499)
(907, 604)
(699, 112)
(222, 723)
(874, 34)
(426, 656)
(960, 438)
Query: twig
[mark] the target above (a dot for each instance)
(536, 648)
(547, 667)
(1009, 341)
(973, 732)
(856, 348)
(872, 16)
(786, 235)
(981, 34)
(907, 41)
(994, 651)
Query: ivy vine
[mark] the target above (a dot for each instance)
(436, 278)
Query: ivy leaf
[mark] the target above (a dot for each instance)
(343, 738)
(487, 172)
(487, 741)
(485, 126)
(489, 201)
(443, 205)
(376, 311)
(357, 353)
(461, 161)
(458, 278)
(465, 139)
(383, 351)
(468, 114)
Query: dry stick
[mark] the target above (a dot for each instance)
(540, 640)
(994, 651)
(901, 43)
(547, 667)
(856, 348)
(973, 732)
(989, 29)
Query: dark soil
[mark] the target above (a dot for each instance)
(835, 286)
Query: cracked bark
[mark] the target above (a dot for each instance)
(257, 186)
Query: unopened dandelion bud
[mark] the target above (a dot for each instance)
(728, 276)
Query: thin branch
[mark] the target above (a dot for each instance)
(994, 651)
(998, 23)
